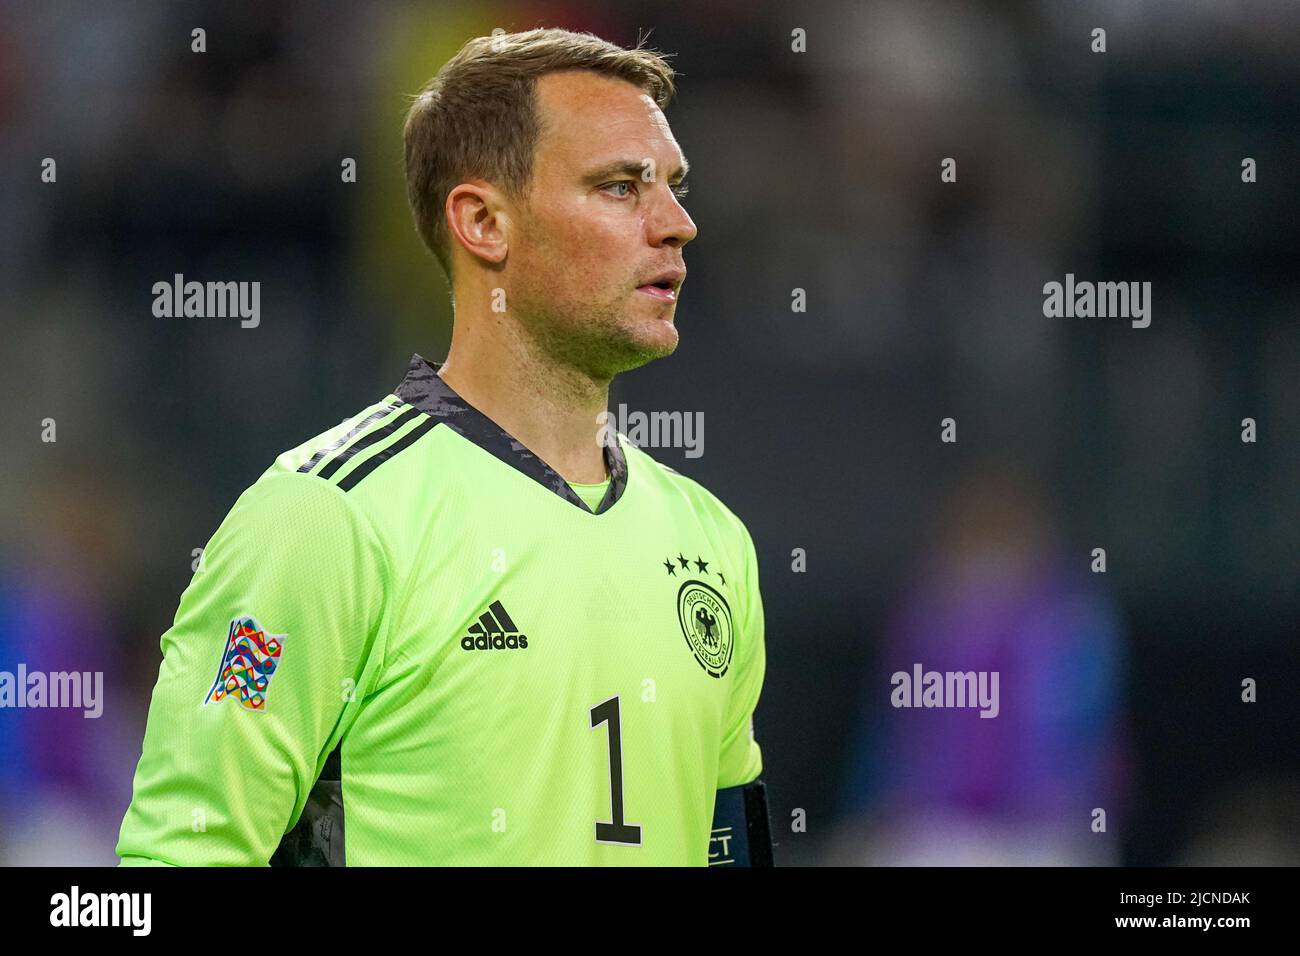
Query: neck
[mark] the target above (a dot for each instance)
(550, 407)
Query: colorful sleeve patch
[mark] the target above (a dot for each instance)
(248, 663)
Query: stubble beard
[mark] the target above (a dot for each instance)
(603, 341)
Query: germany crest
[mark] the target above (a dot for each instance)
(706, 623)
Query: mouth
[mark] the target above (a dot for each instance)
(664, 291)
(664, 286)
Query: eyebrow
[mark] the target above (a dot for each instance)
(631, 167)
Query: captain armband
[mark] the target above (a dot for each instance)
(742, 830)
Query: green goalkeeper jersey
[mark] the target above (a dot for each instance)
(411, 642)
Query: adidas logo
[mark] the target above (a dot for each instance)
(493, 629)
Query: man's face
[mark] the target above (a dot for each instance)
(595, 235)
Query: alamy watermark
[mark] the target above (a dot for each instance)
(1102, 300)
(922, 688)
(212, 300)
(60, 689)
(683, 430)
(75, 908)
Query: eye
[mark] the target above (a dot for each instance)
(621, 182)
(680, 190)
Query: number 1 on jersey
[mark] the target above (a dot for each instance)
(617, 831)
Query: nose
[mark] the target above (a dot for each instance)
(672, 224)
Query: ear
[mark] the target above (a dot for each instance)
(479, 221)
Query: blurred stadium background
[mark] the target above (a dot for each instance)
(818, 171)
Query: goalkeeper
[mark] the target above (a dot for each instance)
(469, 624)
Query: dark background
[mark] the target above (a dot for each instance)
(816, 170)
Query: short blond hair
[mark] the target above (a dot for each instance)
(478, 116)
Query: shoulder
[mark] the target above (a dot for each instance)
(303, 493)
(386, 433)
(325, 454)
(684, 491)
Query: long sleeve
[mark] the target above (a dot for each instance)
(741, 758)
(273, 643)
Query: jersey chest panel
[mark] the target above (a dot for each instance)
(555, 682)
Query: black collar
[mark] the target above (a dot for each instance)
(423, 388)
